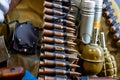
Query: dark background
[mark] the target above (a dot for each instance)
(118, 2)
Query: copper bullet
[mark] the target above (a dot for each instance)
(52, 63)
(51, 5)
(50, 71)
(49, 47)
(48, 25)
(65, 22)
(111, 20)
(51, 78)
(52, 55)
(58, 41)
(59, 34)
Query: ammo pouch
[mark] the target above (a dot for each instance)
(25, 37)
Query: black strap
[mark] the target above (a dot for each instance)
(65, 35)
(66, 50)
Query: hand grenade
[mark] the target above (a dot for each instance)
(110, 67)
(93, 58)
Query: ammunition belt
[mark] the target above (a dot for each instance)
(57, 42)
(110, 19)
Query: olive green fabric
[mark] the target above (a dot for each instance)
(28, 10)
(4, 31)
(32, 11)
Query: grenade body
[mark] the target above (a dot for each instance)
(110, 67)
(93, 59)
